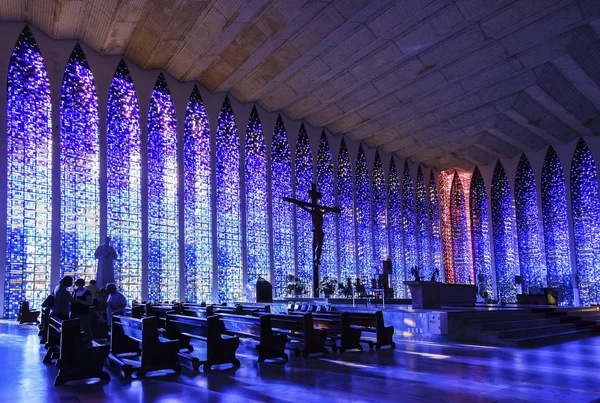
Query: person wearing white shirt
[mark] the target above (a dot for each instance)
(115, 303)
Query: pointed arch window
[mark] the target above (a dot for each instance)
(228, 197)
(480, 233)
(123, 177)
(556, 226)
(528, 230)
(283, 225)
(364, 229)
(460, 232)
(79, 163)
(304, 180)
(163, 214)
(329, 265)
(396, 228)
(345, 191)
(197, 180)
(380, 234)
(586, 226)
(422, 226)
(408, 222)
(29, 177)
(257, 230)
(504, 247)
(434, 227)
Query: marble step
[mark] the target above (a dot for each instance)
(520, 324)
(528, 332)
(547, 339)
(504, 318)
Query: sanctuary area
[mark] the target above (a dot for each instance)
(299, 200)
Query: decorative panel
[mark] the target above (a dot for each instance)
(480, 236)
(445, 182)
(79, 164)
(329, 263)
(123, 180)
(228, 197)
(29, 178)
(304, 180)
(364, 228)
(380, 233)
(422, 220)
(460, 232)
(197, 192)
(345, 193)
(408, 223)
(395, 207)
(434, 228)
(163, 214)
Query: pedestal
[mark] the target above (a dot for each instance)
(425, 294)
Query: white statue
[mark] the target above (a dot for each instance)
(105, 255)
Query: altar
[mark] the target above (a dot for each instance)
(432, 295)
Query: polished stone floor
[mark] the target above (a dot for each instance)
(417, 371)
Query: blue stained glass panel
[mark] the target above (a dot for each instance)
(480, 235)
(364, 229)
(229, 229)
(422, 221)
(123, 176)
(197, 191)
(283, 224)
(79, 162)
(502, 227)
(528, 230)
(257, 230)
(395, 207)
(556, 226)
(29, 178)
(163, 214)
(329, 264)
(434, 227)
(586, 225)
(460, 232)
(409, 230)
(345, 194)
(304, 180)
(380, 231)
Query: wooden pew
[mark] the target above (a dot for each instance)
(78, 359)
(220, 348)
(372, 322)
(271, 346)
(25, 315)
(161, 311)
(342, 334)
(135, 346)
(305, 339)
(43, 327)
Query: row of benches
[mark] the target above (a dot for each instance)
(140, 345)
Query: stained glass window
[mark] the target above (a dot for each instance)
(380, 234)
(408, 223)
(528, 229)
(79, 162)
(422, 222)
(283, 224)
(480, 234)
(197, 169)
(304, 180)
(586, 228)
(364, 229)
(460, 232)
(329, 265)
(556, 226)
(229, 231)
(29, 177)
(395, 227)
(445, 182)
(504, 247)
(123, 176)
(345, 192)
(257, 230)
(434, 227)
(163, 221)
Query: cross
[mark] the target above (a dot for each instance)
(316, 212)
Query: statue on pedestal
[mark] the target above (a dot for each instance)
(105, 254)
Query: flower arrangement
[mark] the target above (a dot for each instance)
(294, 285)
(328, 286)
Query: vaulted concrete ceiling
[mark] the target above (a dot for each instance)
(445, 83)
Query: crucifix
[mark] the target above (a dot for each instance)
(316, 212)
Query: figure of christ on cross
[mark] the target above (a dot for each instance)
(316, 212)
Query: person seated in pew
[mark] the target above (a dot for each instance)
(115, 303)
(62, 299)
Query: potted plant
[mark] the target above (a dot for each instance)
(328, 286)
(294, 286)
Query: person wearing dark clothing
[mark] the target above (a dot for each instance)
(62, 299)
(82, 300)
